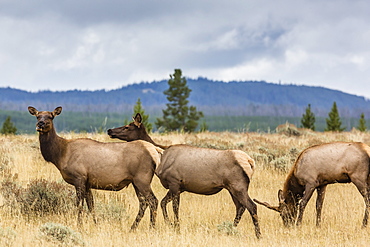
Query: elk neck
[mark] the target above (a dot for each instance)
(293, 190)
(53, 147)
(144, 136)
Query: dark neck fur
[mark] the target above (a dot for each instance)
(144, 136)
(52, 147)
(293, 191)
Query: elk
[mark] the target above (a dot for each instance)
(197, 170)
(315, 168)
(88, 164)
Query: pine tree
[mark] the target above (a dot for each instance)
(178, 115)
(362, 123)
(193, 118)
(333, 123)
(8, 127)
(145, 118)
(308, 119)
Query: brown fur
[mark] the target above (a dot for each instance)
(197, 170)
(133, 131)
(314, 169)
(87, 164)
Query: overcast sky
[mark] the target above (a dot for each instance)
(106, 44)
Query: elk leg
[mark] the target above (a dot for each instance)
(303, 203)
(366, 215)
(175, 206)
(364, 190)
(146, 198)
(367, 202)
(239, 210)
(247, 202)
(143, 204)
(80, 197)
(168, 197)
(90, 203)
(252, 209)
(319, 201)
(153, 205)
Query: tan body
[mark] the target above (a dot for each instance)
(119, 174)
(184, 166)
(314, 169)
(88, 164)
(202, 171)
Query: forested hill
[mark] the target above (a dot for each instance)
(212, 97)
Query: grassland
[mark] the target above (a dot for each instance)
(204, 220)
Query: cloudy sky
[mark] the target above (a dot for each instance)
(106, 44)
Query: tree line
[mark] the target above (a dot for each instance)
(333, 122)
(179, 116)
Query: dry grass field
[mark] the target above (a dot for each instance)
(204, 220)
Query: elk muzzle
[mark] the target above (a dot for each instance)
(40, 126)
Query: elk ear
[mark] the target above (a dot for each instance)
(267, 205)
(137, 120)
(57, 111)
(281, 196)
(32, 110)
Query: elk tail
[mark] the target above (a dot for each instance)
(155, 152)
(159, 150)
(245, 162)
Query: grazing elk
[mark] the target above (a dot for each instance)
(198, 170)
(87, 164)
(315, 168)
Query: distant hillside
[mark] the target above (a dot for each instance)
(237, 98)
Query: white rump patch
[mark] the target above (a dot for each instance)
(159, 150)
(245, 161)
(154, 151)
(366, 148)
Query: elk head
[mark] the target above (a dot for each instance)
(129, 132)
(287, 208)
(44, 118)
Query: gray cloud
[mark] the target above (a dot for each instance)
(63, 45)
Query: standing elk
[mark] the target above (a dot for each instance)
(88, 164)
(315, 168)
(197, 170)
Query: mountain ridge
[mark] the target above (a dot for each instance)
(214, 97)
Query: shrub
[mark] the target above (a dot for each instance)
(10, 192)
(281, 164)
(60, 235)
(42, 198)
(228, 228)
(112, 210)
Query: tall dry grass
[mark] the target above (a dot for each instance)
(204, 220)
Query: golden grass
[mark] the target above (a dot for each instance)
(201, 217)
